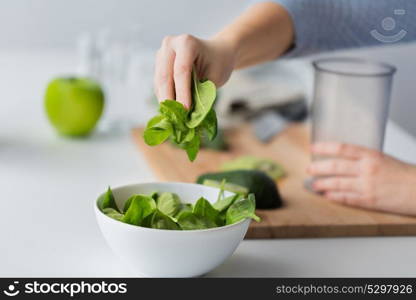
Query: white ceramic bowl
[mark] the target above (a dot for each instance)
(170, 253)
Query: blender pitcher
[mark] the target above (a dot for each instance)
(351, 101)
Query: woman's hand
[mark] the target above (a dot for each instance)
(262, 33)
(212, 59)
(365, 178)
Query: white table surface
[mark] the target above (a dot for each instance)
(48, 184)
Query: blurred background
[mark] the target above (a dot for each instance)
(45, 38)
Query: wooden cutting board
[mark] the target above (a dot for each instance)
(304, 214)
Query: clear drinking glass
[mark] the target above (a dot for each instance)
(118, 60)
(351, 101)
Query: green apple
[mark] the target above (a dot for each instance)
(74, 105)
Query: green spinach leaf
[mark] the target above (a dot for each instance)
(222, 216)
(224, 203)
(169, 204)
(241, 209)
(112, 213)
(210, 124)
(192, 147)
(185, 128)
(175, 112)
(190, 221)
(107, 200)
(157, 131)
(203, 98)
(203, 208)
(153, 195)
(128, 202)
(159, 220)
(140, 207)
(184, 208)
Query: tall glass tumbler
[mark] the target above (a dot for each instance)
(351, 101)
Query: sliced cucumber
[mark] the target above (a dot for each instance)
(231, 187)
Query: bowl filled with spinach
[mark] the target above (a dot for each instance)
(173, 229)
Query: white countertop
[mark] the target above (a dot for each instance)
(48, 185)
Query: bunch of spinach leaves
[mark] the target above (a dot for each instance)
(166, 211)
(185, 128)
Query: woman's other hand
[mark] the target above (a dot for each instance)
(365, 178)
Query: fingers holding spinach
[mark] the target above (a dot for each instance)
(163, 79)
(174, 63)
(185, 127)
(212, 59)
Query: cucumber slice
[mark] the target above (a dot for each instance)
(231, 187)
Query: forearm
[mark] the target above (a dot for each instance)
(264, 32)
(268, 29)
(327, 25)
